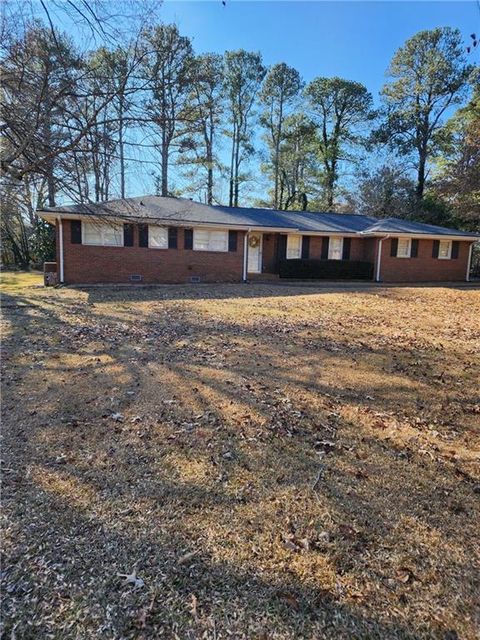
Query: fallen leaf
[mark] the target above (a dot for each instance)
(289, 599)
(132, 578)
(186, 557)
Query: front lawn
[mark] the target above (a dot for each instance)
(264, 462)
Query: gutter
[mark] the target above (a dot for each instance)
(379, 257)
(60, 242)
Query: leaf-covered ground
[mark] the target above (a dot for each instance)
(241, 461)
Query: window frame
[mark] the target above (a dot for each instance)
(330, 248)
(151, 228)
(290, 236)
(449, 252)
(224, 232)
(101, 226)
(409, 247)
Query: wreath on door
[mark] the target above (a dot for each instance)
(253, 241)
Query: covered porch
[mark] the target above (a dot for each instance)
(330, 256)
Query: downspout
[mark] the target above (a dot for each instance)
(60, 242)
(245, 255)
(379, 258)
(469, 263)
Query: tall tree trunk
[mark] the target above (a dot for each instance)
(210, 183)
(209, 146)
(164, 164)
(49, 165)
(50, 184)
(106, 162)
(421, 174)
(237, 167)
(121, 145)
(330, 171)
(232, 168)
(277, 154)
(330, 188)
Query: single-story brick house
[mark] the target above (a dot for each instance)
(153, 239)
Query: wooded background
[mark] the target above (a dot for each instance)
(73, 119)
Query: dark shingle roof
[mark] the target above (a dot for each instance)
(187, 212)
(303, 220)
(396, 225)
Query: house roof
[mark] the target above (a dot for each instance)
(396, 225)
(182, 211)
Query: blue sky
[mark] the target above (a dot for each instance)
(354, 40)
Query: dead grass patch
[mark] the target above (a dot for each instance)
(271, 462)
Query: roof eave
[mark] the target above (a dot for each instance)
(420, 235)
(52, 216)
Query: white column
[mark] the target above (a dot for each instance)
(469, 262)
(379, 259)
(245, 256)
(60, 247)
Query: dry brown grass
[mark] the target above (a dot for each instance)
(289, 463)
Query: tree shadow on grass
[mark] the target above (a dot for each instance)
(225, 291)
(89, 497)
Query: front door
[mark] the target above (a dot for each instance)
(254, 253)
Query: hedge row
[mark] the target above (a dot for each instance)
(326, 269)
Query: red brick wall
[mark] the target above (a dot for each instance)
(85, 264)
(91, 265)
(424, 268)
